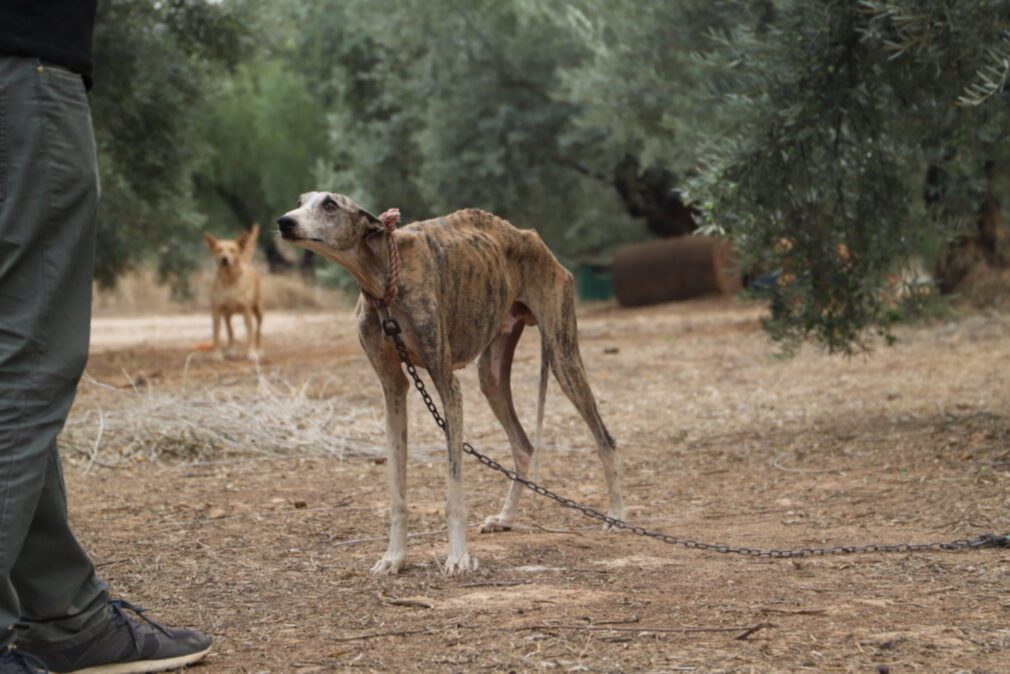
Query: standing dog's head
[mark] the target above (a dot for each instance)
(327, 223)
(229, 254)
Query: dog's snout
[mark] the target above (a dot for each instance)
(287, 224)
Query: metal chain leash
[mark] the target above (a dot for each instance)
(988, 540)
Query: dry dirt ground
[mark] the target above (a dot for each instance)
(720, 439)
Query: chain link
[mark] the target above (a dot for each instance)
(987, 540)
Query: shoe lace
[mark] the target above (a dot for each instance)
(26, 661)
(118, 605)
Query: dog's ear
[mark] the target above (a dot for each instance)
(247, 241)
(210, 241)
(372, 224)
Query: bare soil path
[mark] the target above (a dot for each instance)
(720, 440)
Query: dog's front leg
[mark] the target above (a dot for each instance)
(459, 560)
(251, 339)
(230, 349)
(394, 390)
(218, 351)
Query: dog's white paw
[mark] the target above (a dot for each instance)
(458, 565)
(253, 355)
(389, 565)
(494, 524)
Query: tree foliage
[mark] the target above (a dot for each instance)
(155, 64)
(441, 105)
(831, 139)
(838, 111)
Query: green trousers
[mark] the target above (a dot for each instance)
(48, 202)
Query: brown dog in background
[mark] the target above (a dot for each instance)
(236, 289)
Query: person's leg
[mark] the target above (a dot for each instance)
(63, 603)
(48, 204)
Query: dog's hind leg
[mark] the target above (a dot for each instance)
(554, 308)
(258, 311)
(495, 368)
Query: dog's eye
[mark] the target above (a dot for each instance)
(329, 205)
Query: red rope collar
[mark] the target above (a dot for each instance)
(390, 219)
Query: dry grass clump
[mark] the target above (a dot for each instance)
(290, 292)
(139, 293)
(205, 423)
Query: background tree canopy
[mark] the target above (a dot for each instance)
(833, 140)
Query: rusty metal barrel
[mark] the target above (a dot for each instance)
(675, 269)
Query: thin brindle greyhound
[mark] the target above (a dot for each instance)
(469, 283)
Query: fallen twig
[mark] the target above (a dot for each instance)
(623, 621)
(377, 635)
(407, 633)
(645, 629)
(533, 526)
(413, 602)
(508, 583)
(750, 630)
(793, 611)
(111, 562)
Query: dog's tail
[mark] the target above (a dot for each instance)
(541, 399)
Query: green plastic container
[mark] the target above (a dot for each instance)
(594, 281)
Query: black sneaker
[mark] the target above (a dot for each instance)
(13, 661)
(129, 646)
